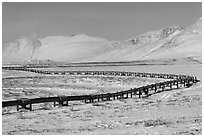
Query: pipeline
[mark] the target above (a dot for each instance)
(174, 82)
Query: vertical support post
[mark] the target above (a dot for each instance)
(139, 93)
(113, 96)
(54, 103)
(102, 97)
(144, 90)
(30, 105)
(127, 94)
(194, 79)
(177, 84)
(17, 105)
(66, 101)
(98, 98)
(155, 88)
(91, 99)
(188, 82)
(117, 94)
(131, 93)
(147, 92)
(170, 85)
(163, 87)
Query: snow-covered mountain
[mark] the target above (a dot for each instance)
(56, 48)
(186, 44)
(173, 42)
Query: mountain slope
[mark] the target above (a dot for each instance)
(188, 44)
(168, 44)
(173, 42)
(57, 48)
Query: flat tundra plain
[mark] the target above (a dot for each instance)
(173, 112)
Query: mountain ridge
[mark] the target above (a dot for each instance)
(168, 43)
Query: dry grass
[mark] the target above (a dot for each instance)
(125, 116)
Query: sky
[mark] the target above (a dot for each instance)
(112, 21)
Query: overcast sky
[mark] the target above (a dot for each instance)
(113, 21)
